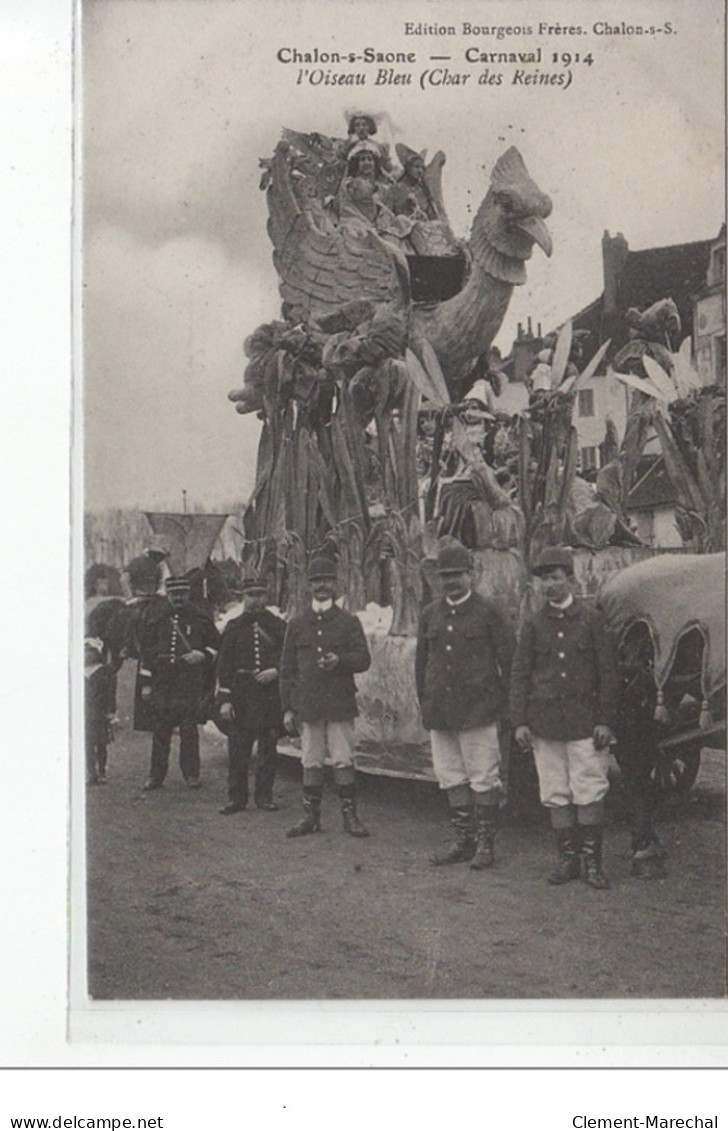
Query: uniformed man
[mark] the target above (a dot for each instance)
(563, 698)
(323, 650)
(462, 666)
(178, 648)
(248, 697)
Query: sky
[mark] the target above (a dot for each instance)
(178, 99)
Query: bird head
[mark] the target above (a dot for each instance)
(511, 218)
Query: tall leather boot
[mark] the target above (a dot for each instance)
(567, 863)
(591, 854)
(566, 836)
(311, 820)
(486, 823)
(591, 827)
(352, 824)
(463, 846)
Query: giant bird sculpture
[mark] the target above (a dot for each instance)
(322, 264)
(356, 349)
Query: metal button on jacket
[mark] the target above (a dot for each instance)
(462, 663)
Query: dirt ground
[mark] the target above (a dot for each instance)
(186, 904)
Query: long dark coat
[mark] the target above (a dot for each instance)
(178, 689)
(462, 663)
(564, 680)
(317, 695)
(137, 611)
(251, 643)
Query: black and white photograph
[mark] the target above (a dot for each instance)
(399, 598)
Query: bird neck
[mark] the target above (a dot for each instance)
(463, 327)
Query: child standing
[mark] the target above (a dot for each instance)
(99, 709)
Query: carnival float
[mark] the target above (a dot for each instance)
(377, 390)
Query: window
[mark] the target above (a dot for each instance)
(585, 402)
(718, 265)
(588, 457)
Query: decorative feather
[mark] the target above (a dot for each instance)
(424, 382)
(432, 365)
(561, 354)
(685, 374)
(591, 368)
(642, 384)
(659, 377)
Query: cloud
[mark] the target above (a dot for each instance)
(179, 101)
(163, 346)
(170, 149)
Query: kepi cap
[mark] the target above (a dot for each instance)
(177, 584)
(321, 567)
(253, 585)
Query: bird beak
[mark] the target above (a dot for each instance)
(538, 232)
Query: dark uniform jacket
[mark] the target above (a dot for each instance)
(165, 635)
(317, 695)
(251, 643)
(564, 679)
(137, 610)
(462, 663)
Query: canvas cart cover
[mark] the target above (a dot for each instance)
(672, 594)
(188, 538)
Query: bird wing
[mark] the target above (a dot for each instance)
(318, 147)
(321, 264)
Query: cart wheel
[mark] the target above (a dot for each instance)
(674, 772)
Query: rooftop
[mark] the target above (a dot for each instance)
(677, 272)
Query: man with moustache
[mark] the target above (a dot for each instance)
(323, 649)
(178, 648)
(462, 667)
(248, 697)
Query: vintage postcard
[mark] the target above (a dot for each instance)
(400, 606)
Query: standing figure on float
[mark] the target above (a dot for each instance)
(362, 126)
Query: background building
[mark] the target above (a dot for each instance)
(692, 275)
(709, 318)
